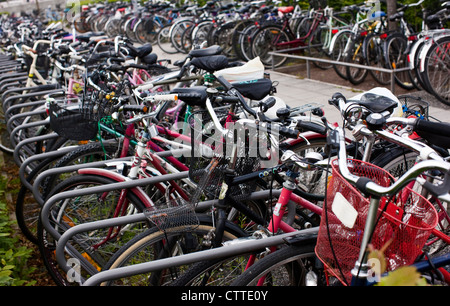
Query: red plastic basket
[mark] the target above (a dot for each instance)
(407, 220)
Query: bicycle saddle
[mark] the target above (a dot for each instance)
(254, 90)
(150, 59)
(286, 9)
(193, 96)
(213, 50)
(210, 63)
(144, 50)
(85, 37)
(377, 103)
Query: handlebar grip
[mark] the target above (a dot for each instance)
(135, 108)
(438, 128)
(166, 97)
(226, 99)
(145, 87)
(436, 133)
(335, 99)
(309, 126)
(182, 71)
(289, 133)
(117, 59)
(189, 96)
(137, 66)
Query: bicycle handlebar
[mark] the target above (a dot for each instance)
(367, 186)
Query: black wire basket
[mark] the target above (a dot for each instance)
(212, 154)
(78, 119)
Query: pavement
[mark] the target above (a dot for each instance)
(296, 92)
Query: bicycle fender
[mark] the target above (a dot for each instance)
(118, 178)
(301, 138)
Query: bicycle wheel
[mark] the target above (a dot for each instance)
(355, 55)
(395, 48)
(374, 56)
(235, 39)
(396, 161)
(155, 244)
(223, 37)
(97, 246)
(177, 31)
(338, 52)
(292, 265)
(144, 31)
(245, 42)
(437, 70)
(311, 182)
(316, 48)
(266, 40)
(164, 41)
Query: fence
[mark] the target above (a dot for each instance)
(328, 61)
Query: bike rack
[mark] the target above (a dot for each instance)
(46, 155)
(23, 115)
(308, 59)
(16, 107)
(54, 171)
(30, 94)
(225, 251)
(30, 140)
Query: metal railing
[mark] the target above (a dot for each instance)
(333, 62)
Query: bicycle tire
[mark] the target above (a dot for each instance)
(437, 70)
(338, 52)
(239, 28)
(265, 41)
(164, 42)
(356, 75)
(177, 31)
(288, 266)
(245, 42)
(396, 161)
(316, 48)
(395, 52)
(153, 239)
(375, 57)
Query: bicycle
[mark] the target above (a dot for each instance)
(334, 225)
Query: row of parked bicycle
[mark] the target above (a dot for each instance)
(134, 174)
(355, 34)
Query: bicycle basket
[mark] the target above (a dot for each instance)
(414, 106)
(69, 120)
(211, 154)
(172, 215)
(404, 222)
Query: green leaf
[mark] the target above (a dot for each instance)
(404, 276)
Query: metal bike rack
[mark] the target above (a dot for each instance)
(14, 107)
(54, 171)
(23, 115)
(31, 94)
(309, 59)
(63, 244)
(215, 253)
(30, 140)
(46, 155)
